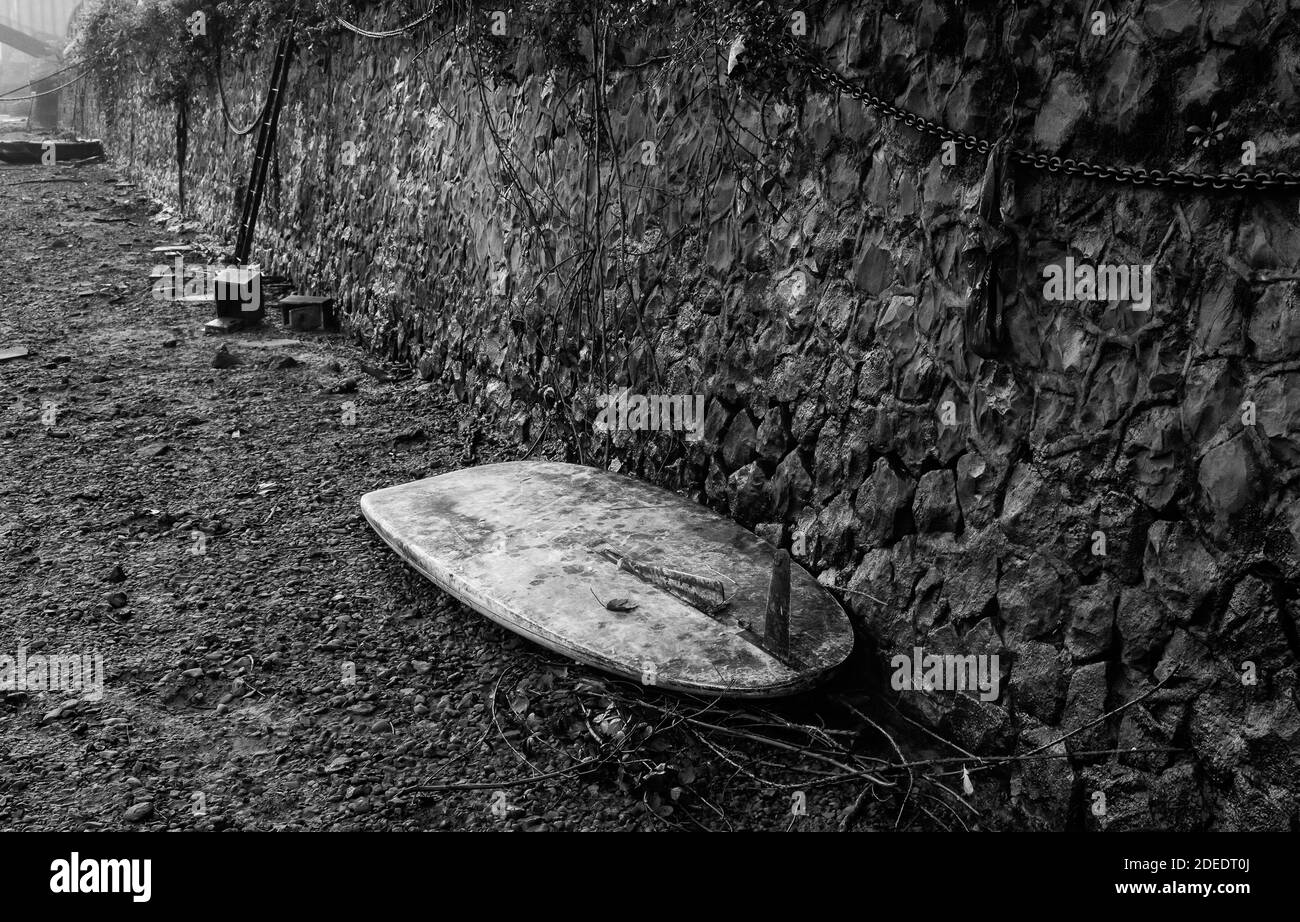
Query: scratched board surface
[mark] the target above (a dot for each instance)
(536, 547)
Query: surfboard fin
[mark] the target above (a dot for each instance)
(776, 626)
(775, 637)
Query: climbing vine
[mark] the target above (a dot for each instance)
(596, 314)
(168, 47)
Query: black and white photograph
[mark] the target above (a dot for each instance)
(639, 416)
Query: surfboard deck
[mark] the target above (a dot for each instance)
(536, 547)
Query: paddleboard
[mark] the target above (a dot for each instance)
(615, 573)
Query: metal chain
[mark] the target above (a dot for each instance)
(1136, 176)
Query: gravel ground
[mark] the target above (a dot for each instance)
(198, 527)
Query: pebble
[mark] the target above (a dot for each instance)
(139, 812)
(225, 359)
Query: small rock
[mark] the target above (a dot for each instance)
(410, 437)
(377, 373)
(771, 439)
(771, 532)
(1171, 19)
(115, 575)
(1065, 106)
(170, 343)
(882, 502)
(117, 600)
(226, 359)
(1274, 329)
(1230, 477)
(1092, 622)
(740, 443)
(748, 495)
(791, 485)
(1144, 624)
(139, 812)
(66, 709)
(715, 420)
(935, 507)
(1235, 22)
(1204, 85)
(930, 19)
(286, 362)
(1124, 89)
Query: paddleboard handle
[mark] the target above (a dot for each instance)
(776, 628)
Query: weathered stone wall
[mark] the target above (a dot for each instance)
(814, 288)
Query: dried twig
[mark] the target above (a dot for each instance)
(1092, 723)
(911, 779)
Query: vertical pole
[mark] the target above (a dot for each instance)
(776, 629)
(182, 146)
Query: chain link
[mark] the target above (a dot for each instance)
(1134, 176)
